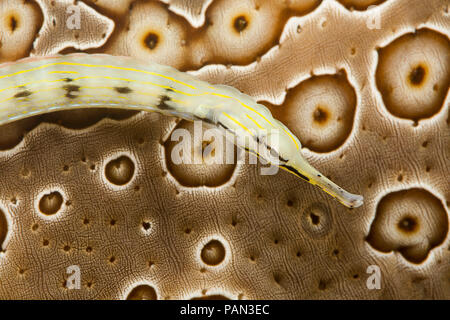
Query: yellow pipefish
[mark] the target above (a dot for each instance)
(40, 85)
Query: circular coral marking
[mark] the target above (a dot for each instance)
(418, 75)
(51, 203)
(240, 23)
(213, 253)
(120, 171)
(142, 292)
(408, 224)
(321, 115)
(151, 40)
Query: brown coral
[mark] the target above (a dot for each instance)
(237, 32)
(96, 189)
(411, 221)
(18, 28)
(416, 87)
(69, 24)
(321, 110)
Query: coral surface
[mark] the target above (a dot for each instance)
(363, 84)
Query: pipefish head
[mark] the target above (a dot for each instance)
(287, 154)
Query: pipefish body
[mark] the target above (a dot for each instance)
(34, 86)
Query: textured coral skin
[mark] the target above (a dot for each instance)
(96, 188)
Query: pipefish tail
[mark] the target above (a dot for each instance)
(35, 86)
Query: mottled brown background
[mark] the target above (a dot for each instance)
(95, 188)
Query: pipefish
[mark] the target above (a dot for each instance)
(33, 86)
